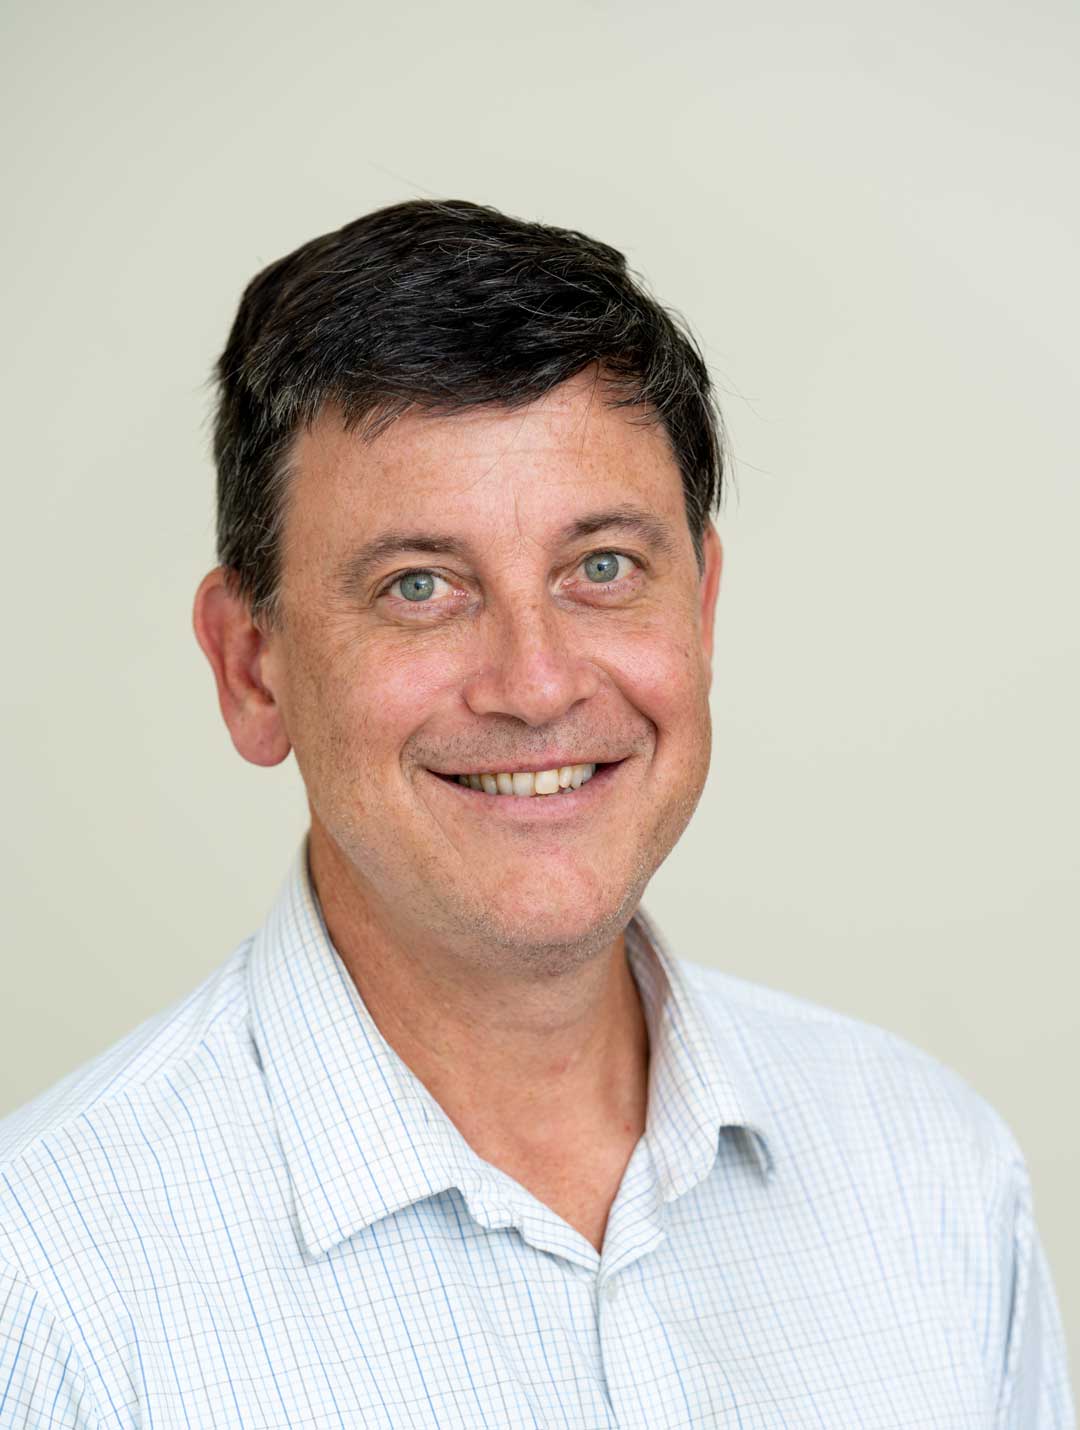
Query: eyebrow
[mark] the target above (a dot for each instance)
(353, 569)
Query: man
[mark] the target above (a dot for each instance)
(455, 1140)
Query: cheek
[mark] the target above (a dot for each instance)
(361, 702)
(661, 673)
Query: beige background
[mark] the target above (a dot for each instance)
(869, 214)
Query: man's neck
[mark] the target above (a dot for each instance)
(546, 1078)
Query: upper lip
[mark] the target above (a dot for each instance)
(532, 765)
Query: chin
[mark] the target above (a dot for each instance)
(554, 927)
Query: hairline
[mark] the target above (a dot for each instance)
(377, 418)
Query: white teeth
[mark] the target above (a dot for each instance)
(529, 782)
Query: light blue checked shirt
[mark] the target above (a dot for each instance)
(249, 1212)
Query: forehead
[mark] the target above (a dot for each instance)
(487, 466)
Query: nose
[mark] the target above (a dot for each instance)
(529, 666)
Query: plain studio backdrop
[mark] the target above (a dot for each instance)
(868, 214)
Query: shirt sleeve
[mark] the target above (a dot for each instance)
(1035, 1377)
(41, 1381)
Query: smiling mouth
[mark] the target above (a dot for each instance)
(528, 783)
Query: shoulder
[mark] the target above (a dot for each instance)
(866, 1122)
(81, 1140)
(870, 1091)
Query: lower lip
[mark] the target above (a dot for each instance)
(534, 807)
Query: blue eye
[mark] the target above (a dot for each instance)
(417, 585)
(602, 566)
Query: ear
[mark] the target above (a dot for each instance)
(708, 589)
(236, 649)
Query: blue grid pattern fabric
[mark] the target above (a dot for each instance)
(249, 1212)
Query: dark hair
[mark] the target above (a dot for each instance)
(438, 306)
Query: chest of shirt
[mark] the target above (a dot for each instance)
(722, 1308)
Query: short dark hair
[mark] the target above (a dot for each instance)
(438, 305)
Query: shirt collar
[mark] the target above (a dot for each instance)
(362, 1136)
(700, 1080)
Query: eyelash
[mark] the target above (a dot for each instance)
(388, 586)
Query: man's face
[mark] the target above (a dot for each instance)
(517, 653)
